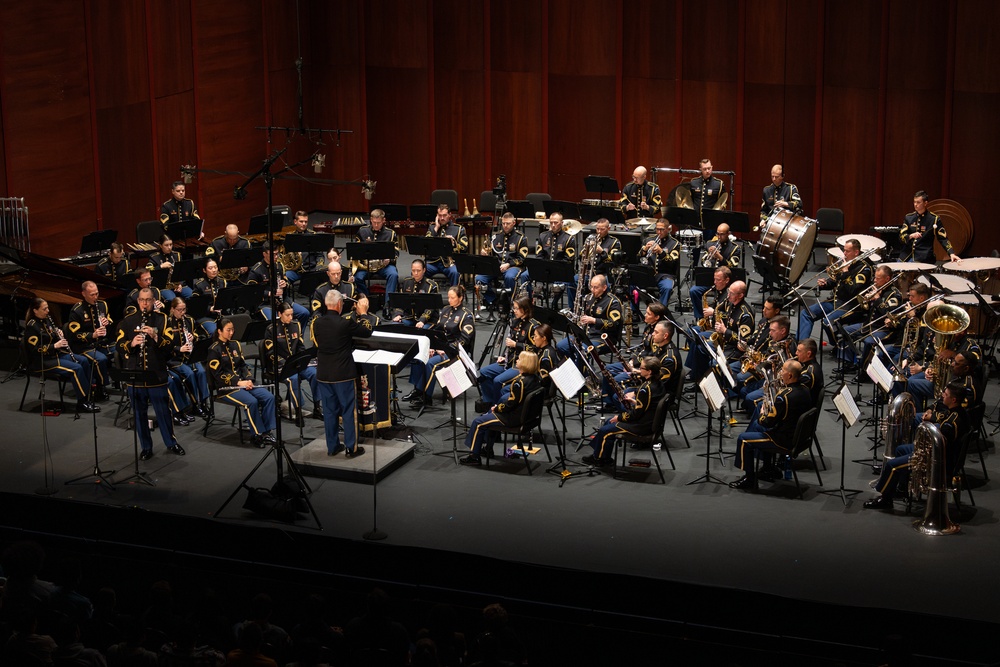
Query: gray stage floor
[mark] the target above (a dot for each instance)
(815, 549)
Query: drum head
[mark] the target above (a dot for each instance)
(867, 242)
(948, 281)
(837, 254)
(801, 252)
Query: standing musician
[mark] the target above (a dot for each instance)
(778, 422)
(636, 419)
(518, 338)
(143, 280)
(459, 327)
(186, 332)
(732, 320)
(144, 343)
(336, 372)
(114, 266)
(721, 251)
(417, 283)
(165, 258)
(919, 230)
(752, 348)
(640, 198)
(234, 384)
(511, 248)
(260, 274)
(658, 346)
(209, 287)
(376, 231)
(780, 348)
(334, 281)
(557, 245)
(779, 194)
(706, 190)
(662, 254)
(602, 314)
(48, 352)
(953, 422)
(877, 302)
(854, 276)
(310, 261)
(443, 227)
(507, 413)
(283, 339)
(89, 336)
(231, 240)
(178, 208)
(716, 296)
(606, 246)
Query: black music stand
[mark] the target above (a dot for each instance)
(132, 378)
(189, 228)
(423, 212)
(415, 303)
(238, 258)
(478, 265)
(429, 246)
(631, 242)
(309, 281)
(708, 476)
(683, 218)
(549, 271)
(309, 242)
(97, 475)
(159, 277)
(241, 297)
(258, 223)
(644, 278)
(371, 250)
(842, 418)
(738, 221)
(569, 209)
(393, 212)
(294, 365)
(453, 361)
(98, 241)
(187, 270)
(197, 306)
(522, 209)
(600, 185)
(594, 213)
(254, 332)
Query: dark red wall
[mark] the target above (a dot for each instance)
(863, 102)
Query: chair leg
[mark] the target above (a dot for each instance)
(524, 452)
(819, 450)
(27, 376)
(656, 462)
(788, 462)
(670, 457)
(819, 480)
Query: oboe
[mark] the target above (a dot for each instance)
(61, 335)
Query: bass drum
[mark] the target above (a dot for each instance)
(787, 242)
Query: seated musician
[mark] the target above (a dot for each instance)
(548, 357)
(604, 246)
(114, 266)
(260, 274)
(187, 332)
(178, 208)
(951, 420)
(231, 240)
(653, 344)
(636, 419)
(334, 280)
(780, 348)
(165, 258)
(443, 227)
(601, 314)
(47, 351)
(662, 348)
(281, 340)
(917, 346)
(731, 320)
(640, 198)
(209, 287)
(90, 336)
(753, 348)
(722, 251)
(779, 418)
(919, 231)
(712, 298)
(510, 247)
(143, 280)
(459, 328)
(847, 279)
(417, 283)
(307, 261)
(376, 231)
(662, 254)
(557, 245)
(812, 372)
(779, 195)
(507, 413)
(234, 384)
(518, 338)
(333, 257)
(877, 302)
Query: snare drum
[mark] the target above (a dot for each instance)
(983, 271)
(834, 255)
(948, 281)
(690, 238)
(981, 323)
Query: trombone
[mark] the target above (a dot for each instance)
(897, 315)
(869, 294)
(833, 269)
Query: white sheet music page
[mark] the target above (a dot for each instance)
(568, 378)
(710, 388)
(879, 373)
(423, 343)
(846, 405)
(454, 378)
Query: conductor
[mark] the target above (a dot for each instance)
(336, 371)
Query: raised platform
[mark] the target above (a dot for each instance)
(387, 456)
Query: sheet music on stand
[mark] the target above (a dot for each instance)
(454, 378)
(423, 343)
(720, 359)
(381, 357)
(712, 392)
(470, 366)
(568, 379)
(879, 374)
(846, 405)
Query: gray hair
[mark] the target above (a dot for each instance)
(332, 298)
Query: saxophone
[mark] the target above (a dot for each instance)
(716, 337)
(705, 322)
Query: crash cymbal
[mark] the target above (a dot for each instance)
(572, 227)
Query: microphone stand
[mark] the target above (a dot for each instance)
(97, 476)
(47, 489)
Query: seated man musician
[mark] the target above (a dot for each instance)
(557, 245)
(730, 320)
(753, 348)
(876, 302)
(334, 280)
(780, 348)
(602, 247)
(376, 232)
(90, 335)
(636, 419)
(305, 261)
(659, 347)
(114, 266)
(662, 254)
(510, 247)
(260, 274)
(231, 240)
(640, 198)
(444, 227)
(601, 314)
(143, 280)
(417, 283)
(47, 351)
(720, 252)
(847, 279)
(283, 339)
(165, 258)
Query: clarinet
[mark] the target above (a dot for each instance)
(61, 335)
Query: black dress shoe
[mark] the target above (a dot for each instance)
(145, 454)
(335, 452)
(744, 484)
(354, 453)
(83, 406)
(259, 442)
(268, 438)
(471, 460)
(177, 449)
(199, 410)
(880, 503)
(181, 420)
(770, 473)
(317, 413)
(413, 395)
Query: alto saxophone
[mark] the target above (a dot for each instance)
(705, 322)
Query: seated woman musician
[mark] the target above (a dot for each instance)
(518, 338)
(282, 340)
(234, 384)
(459, 328)
(507, 413)
(47, 353)
(166, 258)
(636, 419)
(548, 357)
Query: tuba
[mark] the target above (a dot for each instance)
(898, 425)
(928, 475)
(945, 320)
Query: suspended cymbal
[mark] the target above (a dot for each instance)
(680, 196)
(572, 227)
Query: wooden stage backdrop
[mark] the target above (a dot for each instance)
(864, 101)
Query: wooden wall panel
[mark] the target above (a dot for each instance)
(709, 40)
(398, 142)
(517, 132)
(119, 51)
(647, 42)
(848, 152)
(47, 123)
(127, 186)
(853, 44)
(172, 58)
(798, 144)
(176, 144)
(516, 29)
(584, 38)
(579, 133)
(647, 127)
